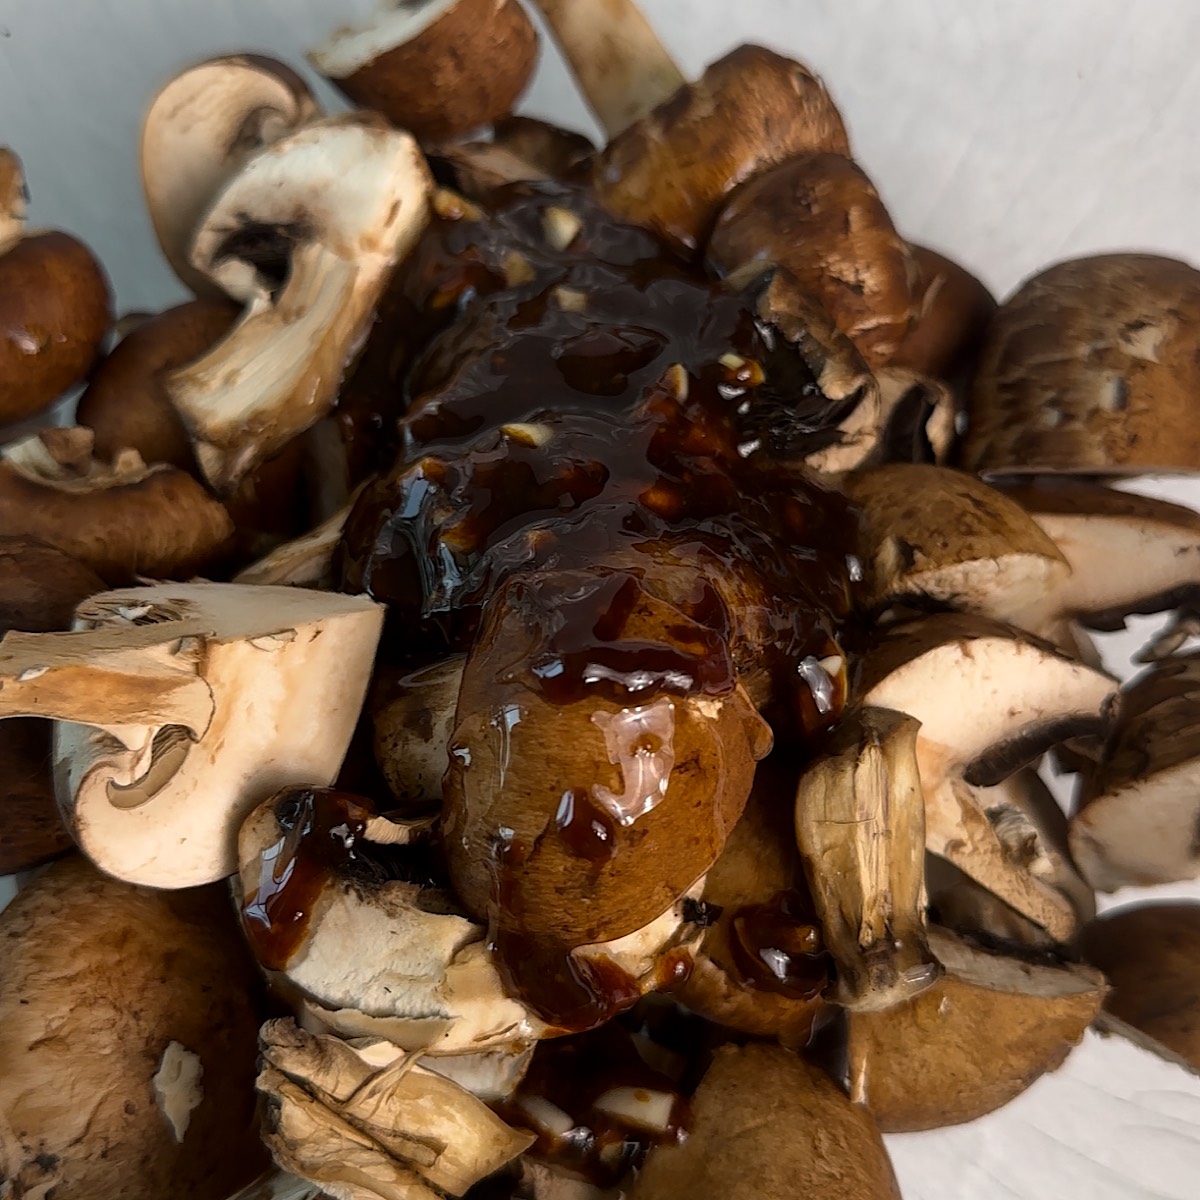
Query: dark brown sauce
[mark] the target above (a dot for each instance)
(778, 947)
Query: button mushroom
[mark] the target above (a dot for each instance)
(438, 68)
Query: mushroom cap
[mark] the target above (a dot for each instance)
(974, 1040)
(818, 215)
(1090, 367)
(672, 170)
(439, 68)
(55, 311)
(1150, 955)
(767, 1124)
(128, 1033)
(932, 533)
(548, 147)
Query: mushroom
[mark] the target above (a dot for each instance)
(438, 68)
(337, 1113)
(818, 215)
(766, 1123)
(1089, 368)
(56, 306)
(128, 1023)
(989, 699)
(932, 535)
(181, 706)
(308, 234)
(1137, 810)
(978, 1037)
(200, 129)
(860, 826)
(1149, 954)
(122, 519)
(306, 561)
(551, 149)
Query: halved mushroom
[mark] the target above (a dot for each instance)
(438, 68)
(765, 1123)
(1090, 367)
(55, 306)
(978, 1037)
(860, 826)
(1149, 953)
(990, 699)
(200, 130)
(182, 705)
(122, 519)
(1139, 806)
(308, 234)
(931, 534)
(128, 1023)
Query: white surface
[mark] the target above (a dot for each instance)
(1006, 133)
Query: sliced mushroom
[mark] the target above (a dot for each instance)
(989, 699)
(181, 706)
(1139, 806)
(308, 234)
(860, 826)
(980, 1036)
(1089, 367)
(122, 519)
(1149, 953)
(818, 215)
(200, 130)
(933, 535)
(128, 1023)
(438, 68)
(767, 1124)
(55, 309)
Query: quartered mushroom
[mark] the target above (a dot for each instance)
(934, 536)
(1089, 367)
(860, 826)
(55, 306)
(438, 68)
(1139, 806)
(989, 699)
(978, 1037)
(123, 519)
(1150, 954)
(766, 1124)
(181, 706)
(200, 130)
(307, 234)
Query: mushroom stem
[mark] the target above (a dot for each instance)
(622, 68)
(12, 200)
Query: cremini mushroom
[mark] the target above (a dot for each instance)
(55, 309)
(306, 561)
(438, 68)
(1089, 368)
(1138, 807)
(200, 130)
(989, 699)
(551, 149)
(766, 1123)
(1149, 954)
(818, 215)
(128, 1023)
(123, 519)
(181, 706)
(307, 234)
(860, 826)
(978, 1037)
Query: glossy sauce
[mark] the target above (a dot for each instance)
(778, 947)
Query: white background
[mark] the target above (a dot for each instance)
(1008, 134)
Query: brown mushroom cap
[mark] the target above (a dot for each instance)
(1090, 367)
(672, 170)
(767, 1124)
(1151, 956)
(438, 68)
(818, 215)
(108, 991)
(550, 148)
(980, 1036)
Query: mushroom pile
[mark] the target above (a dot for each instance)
(538, 683)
